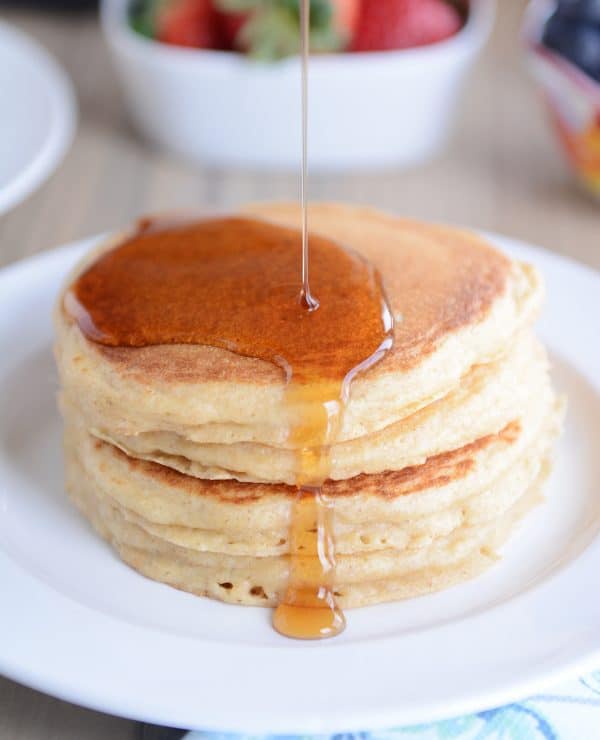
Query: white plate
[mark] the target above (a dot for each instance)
(77, 623)
(37, 116)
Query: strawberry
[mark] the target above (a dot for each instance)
(189, 23)
(270, 29)
(345, 17)
(400, 24)
(231, 24)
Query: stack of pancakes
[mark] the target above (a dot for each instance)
(181, 455)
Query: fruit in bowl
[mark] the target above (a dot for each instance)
(367, 109)
(564, 41)
(270, 29)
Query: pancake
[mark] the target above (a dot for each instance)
(257, 515)
(184, 456)
(388, 546)
(457, 301)
(486, 400)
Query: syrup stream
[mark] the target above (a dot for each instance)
(306, 297)
(308, 609)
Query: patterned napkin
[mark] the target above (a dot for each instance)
(570, 712)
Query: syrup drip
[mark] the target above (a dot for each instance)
(308, 609)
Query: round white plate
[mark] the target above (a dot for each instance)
(37, 116)
(77, 623)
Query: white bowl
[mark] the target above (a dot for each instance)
(366, 110)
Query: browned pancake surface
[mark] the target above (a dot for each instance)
(437, 471)
(438, 280)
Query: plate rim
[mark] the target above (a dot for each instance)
(354, 718)
(59, 136)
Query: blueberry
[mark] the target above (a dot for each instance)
(580, 10)
(576, 41)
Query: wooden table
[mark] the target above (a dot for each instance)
(500, 171)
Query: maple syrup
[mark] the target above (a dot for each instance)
(233, 283)
(308, 609)
(307, 298)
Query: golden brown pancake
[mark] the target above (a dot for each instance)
(485, 401)
(181, 455)
(394, 531)
(457, 301)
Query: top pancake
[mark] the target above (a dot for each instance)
(457, 303)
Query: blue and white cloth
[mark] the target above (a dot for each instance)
(570, 712)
